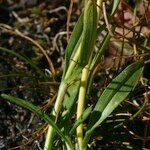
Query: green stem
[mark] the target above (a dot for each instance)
(81, 101)
(85, 140)
(73, 63)
(49, 139)
(55, 112)
(61, 94)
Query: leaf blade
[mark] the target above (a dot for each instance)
(27, 60)
(89, 32)
(36, 110)
(113, 95)
(74, 40)
(115, 6)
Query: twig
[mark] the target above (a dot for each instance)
(58, 9)
(106, 20)
(9, 29)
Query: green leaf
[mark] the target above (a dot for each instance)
(80, 120)
(97, 59)
(36, 110)
(27, 60)
(113, 95)
(115, 6)
(74, 39)
(101, 51)
(144, 48)
(70, 98)
(89, 32)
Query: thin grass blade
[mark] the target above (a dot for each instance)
(101, 51)
(27, 60)
(115, 6)
(36, 110)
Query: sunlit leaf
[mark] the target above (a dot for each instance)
(70, 98)
(74, 40)
(89, 33)
(113, 95)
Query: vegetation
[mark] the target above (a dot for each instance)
(86, 104)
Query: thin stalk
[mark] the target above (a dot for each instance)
(69, 18)
(106, 20)
(55, 112)
(59, 101)
(139, 111)
(81, 102)
(10, 30)
(83, 85)
(134, 24)
(73, 62)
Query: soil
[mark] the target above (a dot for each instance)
(35, 19)
(45, 22)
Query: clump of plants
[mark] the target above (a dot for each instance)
(74, 118)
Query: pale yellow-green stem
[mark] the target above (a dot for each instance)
(73, 63)
(83, 88)
(81, 101)
(59, 101)
(55, 112)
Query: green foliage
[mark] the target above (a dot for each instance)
(26, 59)
(38, 112)
(81, 119)
(115, 6)
(118, 89)
(81, 61)
(89, 33)
(74, 40)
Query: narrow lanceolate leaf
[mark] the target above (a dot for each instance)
(101, 51)
(115, 6)
(27, 60)
(70, 99)
(36, 110)
(89, 32)
(74, 39)
(114, 94)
